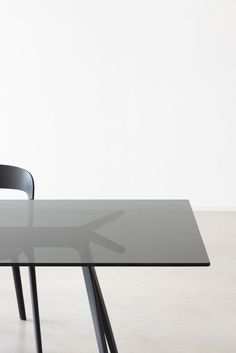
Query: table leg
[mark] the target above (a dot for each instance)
(106, 322)
(35, 309)
(100, 316)
(95, 310)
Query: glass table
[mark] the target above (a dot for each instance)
(91, 233)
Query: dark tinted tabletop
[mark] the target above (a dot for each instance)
(100, 233)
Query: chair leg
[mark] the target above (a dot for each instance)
(35, 309)
(19, 292)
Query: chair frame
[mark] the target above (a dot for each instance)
(12, 177)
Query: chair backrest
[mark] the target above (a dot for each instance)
(16, 178)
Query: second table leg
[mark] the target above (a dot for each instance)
(100, 317)
(106, 322)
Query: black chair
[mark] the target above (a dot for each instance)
(19, 179)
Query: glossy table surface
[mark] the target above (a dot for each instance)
(100, 233)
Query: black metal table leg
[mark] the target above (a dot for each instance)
(95, 311)
(19, 292)
(106, 322)
(35, 308)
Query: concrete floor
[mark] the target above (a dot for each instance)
(166, 310)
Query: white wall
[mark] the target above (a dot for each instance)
(121, 99)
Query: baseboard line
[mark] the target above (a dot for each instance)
(214, 209)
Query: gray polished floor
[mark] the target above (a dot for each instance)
(166, 310)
